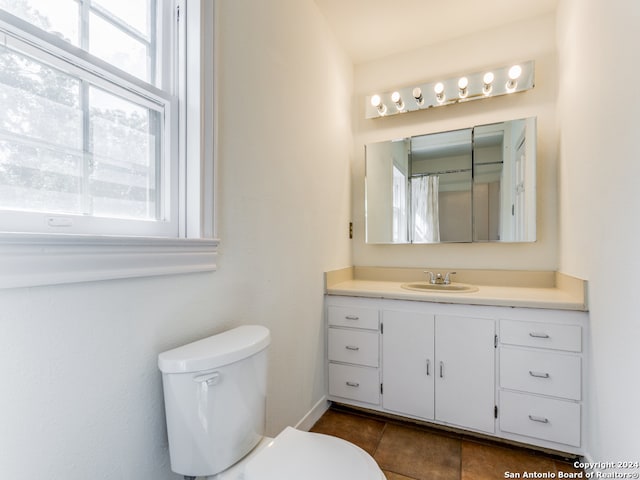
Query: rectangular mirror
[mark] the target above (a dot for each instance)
(471, 185)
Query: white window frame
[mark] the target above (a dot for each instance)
(32, 259)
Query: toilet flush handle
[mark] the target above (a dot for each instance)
(210, 379)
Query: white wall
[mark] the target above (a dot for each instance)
(598, 112)
(529, 40)
(285, 182)
(81, 393)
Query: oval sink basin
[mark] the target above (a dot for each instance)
(440, 287)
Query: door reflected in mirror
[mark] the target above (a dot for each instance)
(476, 184)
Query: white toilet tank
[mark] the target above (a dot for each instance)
(214, 395)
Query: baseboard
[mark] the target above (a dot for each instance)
(313, 415)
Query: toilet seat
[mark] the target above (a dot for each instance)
(295, 455)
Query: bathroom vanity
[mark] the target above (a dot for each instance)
(508, 362)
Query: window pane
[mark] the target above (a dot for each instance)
(117, 31)
(40, 136)
(61, 17)
(114, 46)
(65, 151)
(124, 139)
(134, 12)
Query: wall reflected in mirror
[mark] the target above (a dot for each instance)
(471, 185)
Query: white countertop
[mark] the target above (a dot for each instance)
(531, 297)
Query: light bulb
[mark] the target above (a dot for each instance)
(417, 94)
(463, 83)
(439, 89)
(487, 83)
(376, 101)
(514, 74)
(397, 99)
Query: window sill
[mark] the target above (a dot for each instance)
(28, 260)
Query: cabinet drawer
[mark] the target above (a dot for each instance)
(540, 371)
(538, 417)
(355, 383)
(353, 346)
(357, 317)
(541, 335)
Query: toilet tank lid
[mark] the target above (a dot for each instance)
(215, 351)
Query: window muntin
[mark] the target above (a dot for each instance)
(81, 139)
(61, 18)
(121, 32)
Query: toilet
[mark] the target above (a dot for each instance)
(215, 404)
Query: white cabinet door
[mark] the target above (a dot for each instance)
(465, 372)
(408, 363)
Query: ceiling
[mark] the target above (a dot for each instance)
(373, 29)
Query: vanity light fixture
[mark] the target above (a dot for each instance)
(487, 83)
(397, 99)
(463, 85)
(474, 86)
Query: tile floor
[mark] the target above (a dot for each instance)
(406, 451)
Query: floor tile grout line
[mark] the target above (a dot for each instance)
(461, 459)
(384, 427)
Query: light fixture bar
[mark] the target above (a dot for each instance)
(475, 86)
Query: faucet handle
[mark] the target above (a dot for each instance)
(432, 276)
(447, 277)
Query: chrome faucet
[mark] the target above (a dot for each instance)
(438, 279)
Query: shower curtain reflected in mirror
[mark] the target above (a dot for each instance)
(424, 207)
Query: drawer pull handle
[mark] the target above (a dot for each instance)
(538, 335)
(538, 374)
(351, 347)
(353, 384)
(352, 317)
(533, 418)
(441, 369)
(428, 366)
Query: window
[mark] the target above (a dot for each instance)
(93, 115)
(87, 131)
